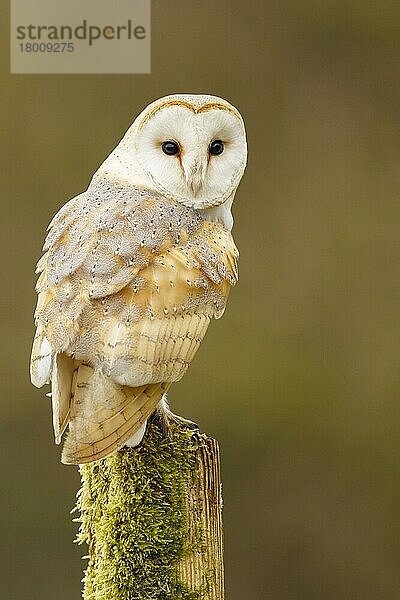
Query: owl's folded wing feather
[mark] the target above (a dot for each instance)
(104, 415)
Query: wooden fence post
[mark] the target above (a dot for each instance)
(151, 517)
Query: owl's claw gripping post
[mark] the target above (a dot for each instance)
(185, 423)
(166, 418)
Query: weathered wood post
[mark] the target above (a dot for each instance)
(151, 517)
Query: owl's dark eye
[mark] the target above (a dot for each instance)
(216, 147)
(170, 147)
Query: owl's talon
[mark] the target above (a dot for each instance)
(166, 418)
(182, 422)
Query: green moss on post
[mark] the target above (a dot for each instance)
(151, 517)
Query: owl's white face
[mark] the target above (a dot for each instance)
(190, 148)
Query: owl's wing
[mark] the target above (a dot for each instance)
(104, 415)
(154, 326)
(128, 285)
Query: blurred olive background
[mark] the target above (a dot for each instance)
(299, 381)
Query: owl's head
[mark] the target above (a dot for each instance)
(191, 148)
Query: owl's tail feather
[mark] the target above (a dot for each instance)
(104, 415)
(63, 376)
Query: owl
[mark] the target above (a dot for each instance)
(133, 271)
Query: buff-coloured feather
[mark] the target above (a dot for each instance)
(61, 392)
(104, 415)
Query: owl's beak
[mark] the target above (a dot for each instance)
(194, 170)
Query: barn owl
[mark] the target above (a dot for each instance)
(133, 271)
